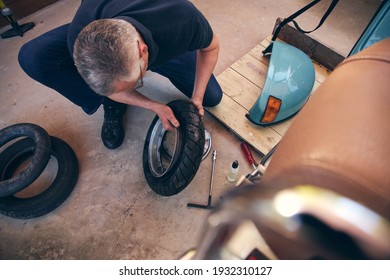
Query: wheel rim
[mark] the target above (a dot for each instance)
(207, 144)
(163, 147)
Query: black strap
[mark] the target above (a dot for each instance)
(330, 9)
(301, 11)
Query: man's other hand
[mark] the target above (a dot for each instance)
(167, 118)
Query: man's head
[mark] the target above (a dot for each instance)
(107, 54)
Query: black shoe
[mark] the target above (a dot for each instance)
(113, 132)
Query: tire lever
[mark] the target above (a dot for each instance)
(208, 206)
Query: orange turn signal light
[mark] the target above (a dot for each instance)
(272, 109)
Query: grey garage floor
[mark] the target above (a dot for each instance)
(112, 213)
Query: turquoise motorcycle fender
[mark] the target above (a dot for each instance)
(377, 30)
(289, 82)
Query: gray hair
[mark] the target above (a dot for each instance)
(104, 53)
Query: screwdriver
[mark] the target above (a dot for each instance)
(248, 154)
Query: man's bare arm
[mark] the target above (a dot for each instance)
(206, 60)
(135, 98)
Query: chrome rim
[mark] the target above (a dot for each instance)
(163, 146)
(207, 144)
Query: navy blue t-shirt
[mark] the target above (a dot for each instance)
(169, 27)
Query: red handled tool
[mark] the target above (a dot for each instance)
(248, 154)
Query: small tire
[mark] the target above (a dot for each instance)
(187, 155)
(39, 160)
(54, 195)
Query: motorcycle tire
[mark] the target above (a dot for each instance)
(184, 160)
(39, 160)
(54, 195)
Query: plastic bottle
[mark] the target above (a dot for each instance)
(233, 171)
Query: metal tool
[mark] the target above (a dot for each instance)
(248, 154)
(208, 206)
(16, 30)
(259, 170)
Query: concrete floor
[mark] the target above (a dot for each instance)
(112, 213)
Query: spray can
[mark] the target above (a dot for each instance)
(233, 171)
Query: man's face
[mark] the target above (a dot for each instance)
(121, 87)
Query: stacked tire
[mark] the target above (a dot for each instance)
(38, 147)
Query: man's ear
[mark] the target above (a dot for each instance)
(143, 49)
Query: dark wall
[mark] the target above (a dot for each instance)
(22, 8)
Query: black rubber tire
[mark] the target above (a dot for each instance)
(187, 159)
(39, 160)
(54, 195)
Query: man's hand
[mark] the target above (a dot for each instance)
(167, 117)
(198, 105)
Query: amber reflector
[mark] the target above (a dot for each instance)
(272, 110)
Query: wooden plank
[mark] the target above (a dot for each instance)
(321, 71)
(237, 87)
(246, 94)
(252, 69)
(242, 84)
(256, 52)
(232, 114)
(282, 127)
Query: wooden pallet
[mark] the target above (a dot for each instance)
(242, 84)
